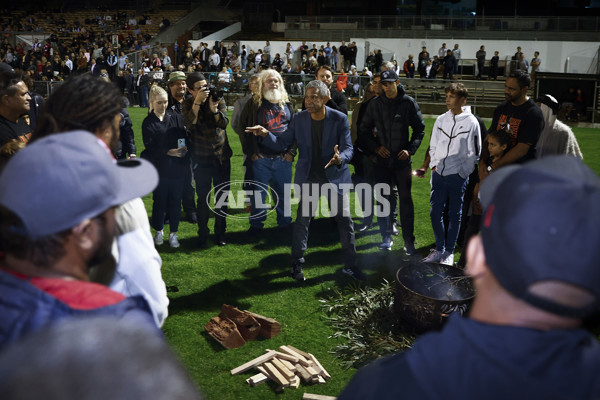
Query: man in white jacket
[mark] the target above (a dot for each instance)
(454, 149)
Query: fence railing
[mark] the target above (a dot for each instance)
(552, 24)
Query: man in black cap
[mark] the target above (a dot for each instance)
(535, 271)
(392, 114)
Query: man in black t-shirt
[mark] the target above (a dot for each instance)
(521, 117)
(14, 102)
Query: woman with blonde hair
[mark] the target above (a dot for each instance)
(166, 144)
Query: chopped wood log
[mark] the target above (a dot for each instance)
(319, 367)
(268, 326)
(301, 359)
(247, 325)
(253, 363)
(302, 353)
(303, 373)
(287, 364)
(310, 396)
(225, 332)
(278, 377)
(257, 379)
(312, 372)
(295, 382)
(282, 368)
(285, 356)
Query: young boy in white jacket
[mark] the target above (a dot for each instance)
(454, 150)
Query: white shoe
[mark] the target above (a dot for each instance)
(158, 238)
(433, 257)
(173, 241)
(447, 258)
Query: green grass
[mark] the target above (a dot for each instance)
(254, 276)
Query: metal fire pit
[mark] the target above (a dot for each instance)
(426, 295)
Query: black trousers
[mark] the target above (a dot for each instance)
(206, 178)
(402, 178)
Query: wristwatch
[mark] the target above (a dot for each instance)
(489, 168)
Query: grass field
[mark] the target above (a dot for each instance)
(254, 276)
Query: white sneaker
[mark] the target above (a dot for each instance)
(433, 257)
(447, 258)
(158, 238)
(173, 241)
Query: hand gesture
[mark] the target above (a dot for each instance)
(336, 159)
(179, 152)
(382, 152)
(420, 173)
(403, 155)
(257, 130)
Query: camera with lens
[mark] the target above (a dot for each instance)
(215, 93)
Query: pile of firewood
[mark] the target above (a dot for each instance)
(286, 367)
(233, 327)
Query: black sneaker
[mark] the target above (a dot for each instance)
(355, 273)
(296, 272)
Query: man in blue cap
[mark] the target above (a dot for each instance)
(535, 271)
(48, 243)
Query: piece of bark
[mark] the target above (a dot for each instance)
(253, 363)
(225, 331)
(246, 323)
(319, 367)
(268, 326)
(310, 396)
(277, 376)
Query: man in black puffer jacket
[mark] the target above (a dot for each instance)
(383, 134)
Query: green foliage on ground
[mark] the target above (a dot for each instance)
(254, 276)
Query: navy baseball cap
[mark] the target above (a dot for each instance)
(389, 76)
(58, 181)
(542, 224)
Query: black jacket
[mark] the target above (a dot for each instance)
(126, 144)
(392, 118)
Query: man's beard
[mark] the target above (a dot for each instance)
(104, 245)
(273, 95)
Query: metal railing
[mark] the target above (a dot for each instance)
(552, 24)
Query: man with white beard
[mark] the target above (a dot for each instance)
(271, 108)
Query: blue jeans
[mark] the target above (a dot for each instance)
(448, 189)
(274, 172)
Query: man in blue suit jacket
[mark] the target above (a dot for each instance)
(323, 138)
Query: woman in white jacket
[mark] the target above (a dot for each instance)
(454, 149)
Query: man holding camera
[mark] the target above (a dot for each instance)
(270, 108)
(211, 153)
